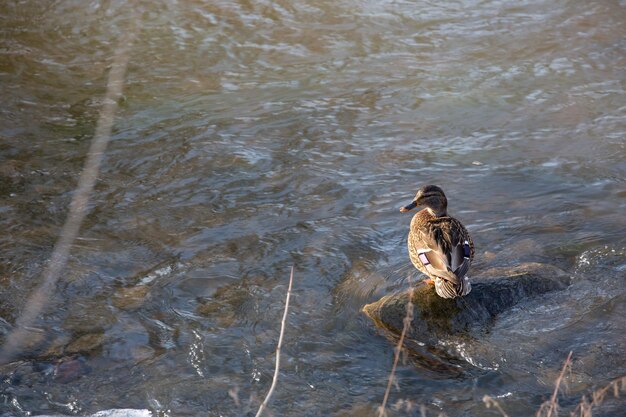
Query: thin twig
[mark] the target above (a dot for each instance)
(585, 407)
(280, 343)
(552, 405)
(78, 206)
(406, 323)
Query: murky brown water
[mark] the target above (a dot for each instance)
(255, 135)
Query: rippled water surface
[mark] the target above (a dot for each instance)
(256, 135)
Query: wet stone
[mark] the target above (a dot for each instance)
(56, 348)
(493, 292)
(69, 369)
(93, 318)
(222, 313)
(85, 343)
(130, 298)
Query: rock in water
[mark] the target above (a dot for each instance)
(493, 292)
(122, 412)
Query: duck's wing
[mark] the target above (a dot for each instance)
(444, 247)
(431, 254)
(435, 266)
(461, 248)
(461, 259)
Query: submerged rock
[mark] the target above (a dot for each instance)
(130, 298)
(493, 292)
(120, 412)
(70, 369)
(85, 343)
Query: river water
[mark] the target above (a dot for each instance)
(256, 135)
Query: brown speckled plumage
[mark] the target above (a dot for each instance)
(439, 245)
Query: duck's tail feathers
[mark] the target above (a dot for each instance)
(462, 269)
(448, 289)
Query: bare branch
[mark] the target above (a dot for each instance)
(38, 300)
(280, 343)
(552, 405)
(406, 324)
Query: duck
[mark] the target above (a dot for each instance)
(439, 245)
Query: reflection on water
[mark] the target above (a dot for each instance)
(257, 135)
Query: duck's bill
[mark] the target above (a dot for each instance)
(409, 207)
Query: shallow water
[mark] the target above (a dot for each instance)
(258, 135)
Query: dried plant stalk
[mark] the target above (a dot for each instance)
(38, 300)
(585, 407)
(280, 343)
(551, 406)
(406, 324)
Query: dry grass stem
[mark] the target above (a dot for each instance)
(549, 407)
(38, 300)
(392, 380)
(280, 343)
(585, 407)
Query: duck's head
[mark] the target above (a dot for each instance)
(431, 197)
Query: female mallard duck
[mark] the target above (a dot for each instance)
(439, 245)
